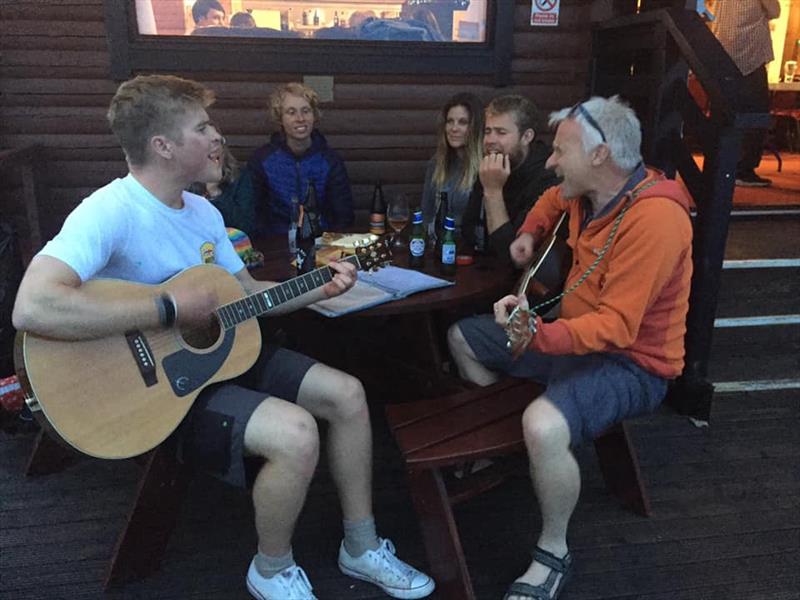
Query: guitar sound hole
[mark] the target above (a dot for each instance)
(202, 336)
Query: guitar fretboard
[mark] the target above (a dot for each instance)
(262, 302)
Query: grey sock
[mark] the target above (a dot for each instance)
(269, 566)
(360, 536)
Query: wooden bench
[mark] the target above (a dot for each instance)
(154, 510)
(474, 424)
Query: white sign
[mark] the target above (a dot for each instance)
(544, 13)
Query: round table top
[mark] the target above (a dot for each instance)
(487, 278)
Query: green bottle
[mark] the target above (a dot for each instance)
(448, 256)
(416, 242)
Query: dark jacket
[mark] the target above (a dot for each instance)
(523, 187)
(278, 175)
(237, 205)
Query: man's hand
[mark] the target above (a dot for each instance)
(504, 306)
(494, 171)
(343, 280)
(194, 304)
(521, 249)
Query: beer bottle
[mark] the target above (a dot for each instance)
(481, 234)
(316, 18)
(294, 219)
(441, 213)
(336, 18)
(447, 257)
(416, 242)
(305, 17)
(377, 218)
(306, 244)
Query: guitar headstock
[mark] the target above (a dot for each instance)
(520, 329)
(376, 255)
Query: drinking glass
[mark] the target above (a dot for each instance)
(398, 216)
(789, 69)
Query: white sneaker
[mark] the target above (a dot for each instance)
(289, 584)
(384, 569)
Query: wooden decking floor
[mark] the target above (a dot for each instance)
(725, 524)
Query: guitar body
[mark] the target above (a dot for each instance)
(544, 277)
(122, 395)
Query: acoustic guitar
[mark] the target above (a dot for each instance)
(541, 282)
(122, 395)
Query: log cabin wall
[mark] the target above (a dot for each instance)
(56, 86)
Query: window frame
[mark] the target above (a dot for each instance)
(132, 52)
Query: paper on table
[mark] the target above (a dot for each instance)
(371, 289)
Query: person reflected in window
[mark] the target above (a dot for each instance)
(208, 13)
(243, 20)
(296, 158)
(422, 16)
(454, 167)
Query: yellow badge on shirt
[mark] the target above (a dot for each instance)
(207, 253)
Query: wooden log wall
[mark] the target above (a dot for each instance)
(55, 87)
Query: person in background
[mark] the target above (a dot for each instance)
(620, 335)
(208, 13)
(454, 167)
(742, 27)
(232, 194)
(144, 228)
(243, 20)
(296, 158)
(512, 173)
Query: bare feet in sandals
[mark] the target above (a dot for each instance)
(544, 579)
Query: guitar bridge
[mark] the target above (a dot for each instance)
(143, 356)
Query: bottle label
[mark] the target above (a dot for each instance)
(292, 240)
(417, 246)
(448, 253)
(377, 223)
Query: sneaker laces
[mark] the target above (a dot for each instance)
(295, 577)
(387, 563)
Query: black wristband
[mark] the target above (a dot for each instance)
(170, 311)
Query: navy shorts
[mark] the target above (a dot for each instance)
(592, 391)
(212, 435)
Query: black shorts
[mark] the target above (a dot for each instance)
(212, 435)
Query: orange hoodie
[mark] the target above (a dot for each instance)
(635, 301)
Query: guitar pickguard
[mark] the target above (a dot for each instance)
(187, 370)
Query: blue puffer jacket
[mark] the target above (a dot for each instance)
(278, 175)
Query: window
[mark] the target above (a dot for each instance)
(313, 36)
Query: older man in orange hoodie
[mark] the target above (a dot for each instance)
(619, 337)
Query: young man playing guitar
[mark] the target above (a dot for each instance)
(144, 228)
(619, 338)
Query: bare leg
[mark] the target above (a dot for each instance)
(556, 479)
(468, 365)
(339, 398)
(286, 436)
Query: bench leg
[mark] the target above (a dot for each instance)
(620, 467)
(440, 535)
(48, 456)
(159, 495)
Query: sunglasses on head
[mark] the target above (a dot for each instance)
(578, 108)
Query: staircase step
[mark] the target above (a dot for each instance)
(758, 292)
(755, 353)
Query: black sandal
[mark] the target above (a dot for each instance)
(544, 591)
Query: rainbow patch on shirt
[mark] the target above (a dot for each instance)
(208, 253)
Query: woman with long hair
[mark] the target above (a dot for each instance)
(454, 167)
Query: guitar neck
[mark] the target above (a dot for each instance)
(262, 302)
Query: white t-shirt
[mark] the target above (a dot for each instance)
(124, 232)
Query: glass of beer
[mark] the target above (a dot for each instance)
(398, 216)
